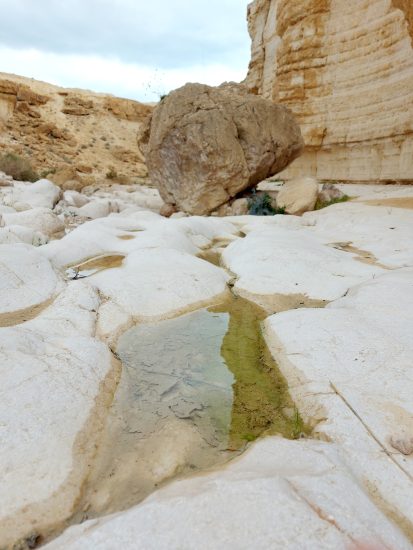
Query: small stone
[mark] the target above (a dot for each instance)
(167, 210)
(403, 445)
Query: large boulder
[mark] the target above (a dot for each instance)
(206, 145)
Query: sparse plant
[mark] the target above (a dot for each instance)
(18, 167)
(298, 427)
(249, 437)
(320, 204)
(111, 174)
(259, 204)
(47, 172)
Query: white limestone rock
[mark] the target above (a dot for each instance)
(56, 382)
(160, 283)
(386, 232)
(27, 282)
(39, 219)
(349, 371)
(5, 180)
(42, 193)
(74, 198)
(19, 234)
(123, 234)
(281, 267)
(280, 494)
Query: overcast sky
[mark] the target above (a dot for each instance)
(131, 48)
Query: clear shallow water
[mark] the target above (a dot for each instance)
(193, 392)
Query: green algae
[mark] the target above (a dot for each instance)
(260, 393)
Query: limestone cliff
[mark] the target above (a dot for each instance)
(345, 68)
(78, 134)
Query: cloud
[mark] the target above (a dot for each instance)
(163, 33)
(111, 75)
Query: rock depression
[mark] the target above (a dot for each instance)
(345, 69)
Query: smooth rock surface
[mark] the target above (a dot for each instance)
(39, 219)
(56, 381)
(27, 281)
(208, 144)
(42, 193)
(147, 288)
(280, 494)
(20, 234)
(349, 371)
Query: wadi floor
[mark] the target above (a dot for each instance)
(334, 289)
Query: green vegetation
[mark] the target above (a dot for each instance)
(112, 174)
(259, 204)
(323, 204)
(47, 172)
(298, 428)
(18, 167)
(260, 392)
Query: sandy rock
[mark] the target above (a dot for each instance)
(38, 219)
(27, 281)
(281, 494)
(167, 210)
(208, 144)
(298, 196)
(67, 177)
(239, 207)
(59, 379)
(354, 104)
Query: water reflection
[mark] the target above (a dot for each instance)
(193, 392)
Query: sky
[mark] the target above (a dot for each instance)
(138, 49)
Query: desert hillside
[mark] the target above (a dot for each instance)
(73, 134)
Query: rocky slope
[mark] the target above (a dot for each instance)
(74, 134)
(345, 69)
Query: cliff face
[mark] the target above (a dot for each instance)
(345, 68)
(74, 132)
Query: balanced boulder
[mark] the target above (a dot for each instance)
(206, 145)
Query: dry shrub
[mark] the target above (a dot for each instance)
(18, 167)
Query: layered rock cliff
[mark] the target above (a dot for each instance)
(79, 135)
(345, 68)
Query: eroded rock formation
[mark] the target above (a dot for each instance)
(345, 69)
(207, 144)
(78, 135)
